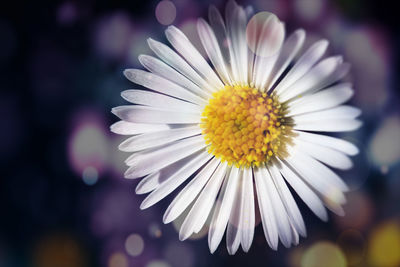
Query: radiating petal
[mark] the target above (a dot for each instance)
(328, 141)
(233, 235)
(190, 192)
(143, 163)
(304, 192)
(170, 57)
(247, 223)
(325, 154)
(223, 210)
(272, 32)
(181, 175)
(331, 194)
(144, 114)
(160, 68)
(302, 66)
(148, 183)
(324, 176)
(151, 140)
(236, 21)
(280, 215)
(162, 85)
(266, 209)
(331, 125)
(288, 201)
(289, 50)
(204, 203)
(340, 112)
(182, 44)
(151, 99)
(328, 98)
(129, 128)
(323, 74)
(213, 50)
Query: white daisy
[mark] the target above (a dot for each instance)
(239, 130)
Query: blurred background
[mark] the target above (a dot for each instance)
(63, 199)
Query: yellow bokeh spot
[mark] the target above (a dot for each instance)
(245, 127)
(384, 245)
(324, 254)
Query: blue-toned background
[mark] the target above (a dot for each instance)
(63, 199)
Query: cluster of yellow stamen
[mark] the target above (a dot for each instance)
(245, 127)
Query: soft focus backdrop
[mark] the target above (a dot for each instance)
(63, 199)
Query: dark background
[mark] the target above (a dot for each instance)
(63, 199)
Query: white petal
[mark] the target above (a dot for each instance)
(148, 183)
(295, 235)
(233, 232)
(190, 192)
(218, 25)
(169, 185)
(288, 201)
(204, 203)
(266, 209)
(160, 68)
(129, 128)
(150, 140)
(331, 194)
(340, 112)
(236, 30)
(323, 74)
(223, 210)
(156, 100)
(303, 65)
(328, 98)
(304, 192)
(339, 125)
(182, 44)
(143, 114)
(147, 162)
(162, 85)
(328, 141)
(318, 171)
(325, 154)
(280, 215)
(247, 222)
(213, 50)
(177, 62)
(272, 32)
(289, 50)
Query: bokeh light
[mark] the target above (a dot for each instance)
(155, 230)
(118, 259)
(90, 175)
(59, 250)
(384, 150)
(384, 245)
(273, 38)
(88, 144)
(134, 245)
(158, 263)
(309, 10)
(165, 12)
(359, 211)
(325, 254)
(179, 254)
(112, 36)
(353, 246)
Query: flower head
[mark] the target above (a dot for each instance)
(239, 131)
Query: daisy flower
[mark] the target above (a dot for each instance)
(239, 127)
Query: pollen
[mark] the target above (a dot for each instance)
(245, 127)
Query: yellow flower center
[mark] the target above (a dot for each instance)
(245, 127)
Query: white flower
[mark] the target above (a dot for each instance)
(240, 131)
